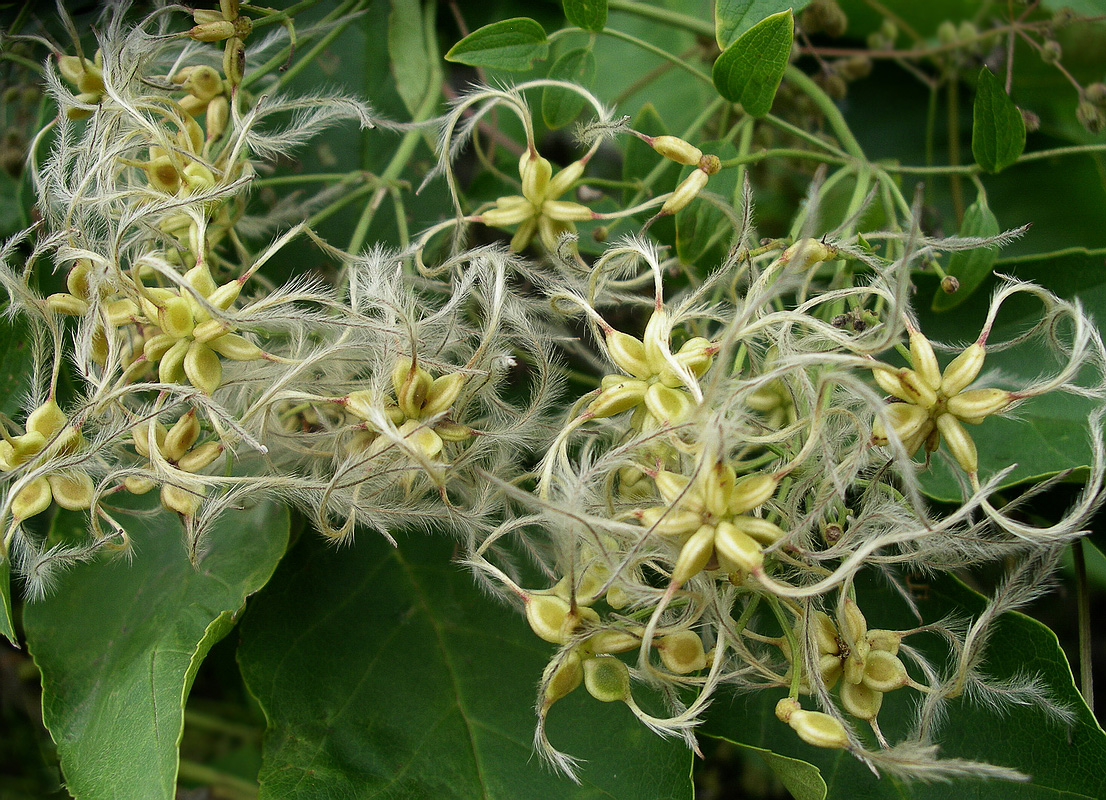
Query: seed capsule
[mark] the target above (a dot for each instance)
(535, 172)
(975, 404)
(687, 191)
(818, 729)
(752, 491)
(678, 150)
(607, 679)
(959, 441)
(963, 369)
(628, 352)
(738, 547)
(694, 556)
(682, 652)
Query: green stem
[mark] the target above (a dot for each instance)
(806, 136)
(828, 108)
(278, 16)
(953, 109)
(1082, 599)
(672, 18)
(781, 152)
(231, 785)
(662, 53)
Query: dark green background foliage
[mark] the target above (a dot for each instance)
(384, 672)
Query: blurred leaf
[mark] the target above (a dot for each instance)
(733, 17)
(1063, 763)
(591, 15)
(512, 44)
(702, 230)
(559, 107)
(970, 267)
(801, 778)
(998, 130)
(749, 71)
(414, 58)
(639, 159)
(386, 672)
(119, 643)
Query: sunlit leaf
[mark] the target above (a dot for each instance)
(749, 71)
(511, 44)
(118, 644)
(591, 15)
(733, 17)
(385, 672)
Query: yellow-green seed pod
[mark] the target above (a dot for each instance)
(224, 297)
(199, 278)
(21, 450)
(33, 499)
(198, 178)
(360, 403)
(825, 633)
(64, 303)
(141, 436)
(786, 708)
(77, 280)
(963, 369)
(761, 530)
(136, 484)
(566, 211)
(443, 392)
(561, 678)
(411, 391)
(550, 617)
(509, 210)
(182, 501)
(235, 347)
(924, 360)
(155, 348)
(830, 669)
(203, 367)
(564, 180)
(687, 191)
(818, 729)
(453, 431)
(421, 438)
(215, 31)
(121, 312)
(175, 317)
(974, 405)
(669, 522)
(71, 68)
(535, 172)
(884, 672)
(752, 491)
(181, 437)
(523, 235)
(234, 61)
(200, 457)
(717, 485)
(917, 390)
(682, 652)
(218, 117)
(861, 701)
(203, 82)
(673, 488)
(737, 547)
(209, 330)
(48, 419)
(888, 380)
(678, 150)
(887, 641)
(807, 253)
(618, 398)
(668, 406)
(163, 175)
(696, 354)
(613, 641)
(72, 491)
(628, 352)
(694, 555)
(907, 421)
(205, 16)
(607, 679)
(959, 441)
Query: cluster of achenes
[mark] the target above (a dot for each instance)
(700, 515)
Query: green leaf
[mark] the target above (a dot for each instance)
(733, 17)
(702, 230)
(413, 53)
(801, 778)
(1064, 763)
(512, 44)
(559, 106)
(591, 15)
(749, 71)
(970, 267)
(998, 130)
(119, 642)
(385, 672)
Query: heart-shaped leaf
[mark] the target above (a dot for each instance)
(119, 643)
(998, 129)
(591, 15)
(511, 44)
(385, 672)
(749, 71)
(733, 17)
